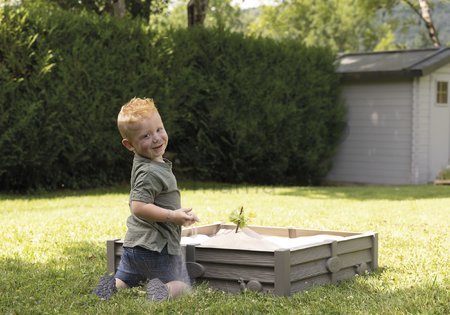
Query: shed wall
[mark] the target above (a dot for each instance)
(420, 131)
(377, 146)
(438, 134)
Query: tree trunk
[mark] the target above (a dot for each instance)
(426, 17)
(119, 8)
(196, 12)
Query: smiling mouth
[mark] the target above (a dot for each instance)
(158, 147)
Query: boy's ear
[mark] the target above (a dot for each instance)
(127, 144)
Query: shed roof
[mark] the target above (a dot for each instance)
(393, 64)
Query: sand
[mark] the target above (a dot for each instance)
(246, 239)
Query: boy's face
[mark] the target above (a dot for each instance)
(148, 138)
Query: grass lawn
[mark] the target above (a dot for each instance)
(52, 249)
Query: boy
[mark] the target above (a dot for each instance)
(151, 246)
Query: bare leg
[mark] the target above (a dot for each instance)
(120, 284)
(177, 288)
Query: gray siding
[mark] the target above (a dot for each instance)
(377, 146)
(421, 129)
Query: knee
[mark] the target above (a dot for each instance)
(120, 284)
(177, 288)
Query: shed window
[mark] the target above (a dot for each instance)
(442, 92)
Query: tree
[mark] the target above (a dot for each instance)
(97, 6)
(119, 8)
(196, 12)
(219, 13)
(343, 25)
(346, 25)
(425, 15)
(135, 8)
(223, 14)
(420, 8)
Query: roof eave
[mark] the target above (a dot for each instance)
(381, 75)
(434, 66)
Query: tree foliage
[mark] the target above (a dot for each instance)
(135, 8)
(237, 109)
(343, 25)
(220, 13)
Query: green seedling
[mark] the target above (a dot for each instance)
(240, 218)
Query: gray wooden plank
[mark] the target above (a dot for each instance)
(308, 269)
(355, 258)
(304, 284)
(240, 257)
(354, 244)
(310, 254)
(225, 271)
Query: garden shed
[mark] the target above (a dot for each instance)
(398, 119)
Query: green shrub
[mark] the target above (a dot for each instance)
(252, 110)
(63, 77)
(237, 109)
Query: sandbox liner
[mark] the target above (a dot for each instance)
(246, 239)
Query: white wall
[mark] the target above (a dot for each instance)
(439, 131)
(377, 148)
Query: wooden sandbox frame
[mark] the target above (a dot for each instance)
(281, 271)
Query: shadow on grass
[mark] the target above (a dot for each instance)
(369, 295)
(61, 193)
(63, 286)
(365, 192)
(328, 192)
(369, 192)
(52, 286)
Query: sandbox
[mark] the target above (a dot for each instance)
(271, 259)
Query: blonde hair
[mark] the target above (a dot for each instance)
(132, 113)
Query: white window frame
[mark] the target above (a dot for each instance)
(437, 82)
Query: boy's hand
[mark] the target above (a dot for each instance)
(194, 219)
(184, 217)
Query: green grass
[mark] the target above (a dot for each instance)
(52, 249)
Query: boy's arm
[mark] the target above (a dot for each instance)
(153, 213)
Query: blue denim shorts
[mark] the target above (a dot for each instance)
(138, 264)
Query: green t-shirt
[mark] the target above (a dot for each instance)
(153, 182)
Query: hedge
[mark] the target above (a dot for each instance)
(237, 109)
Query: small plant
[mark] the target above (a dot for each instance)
(444, 174)
(240, 218)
